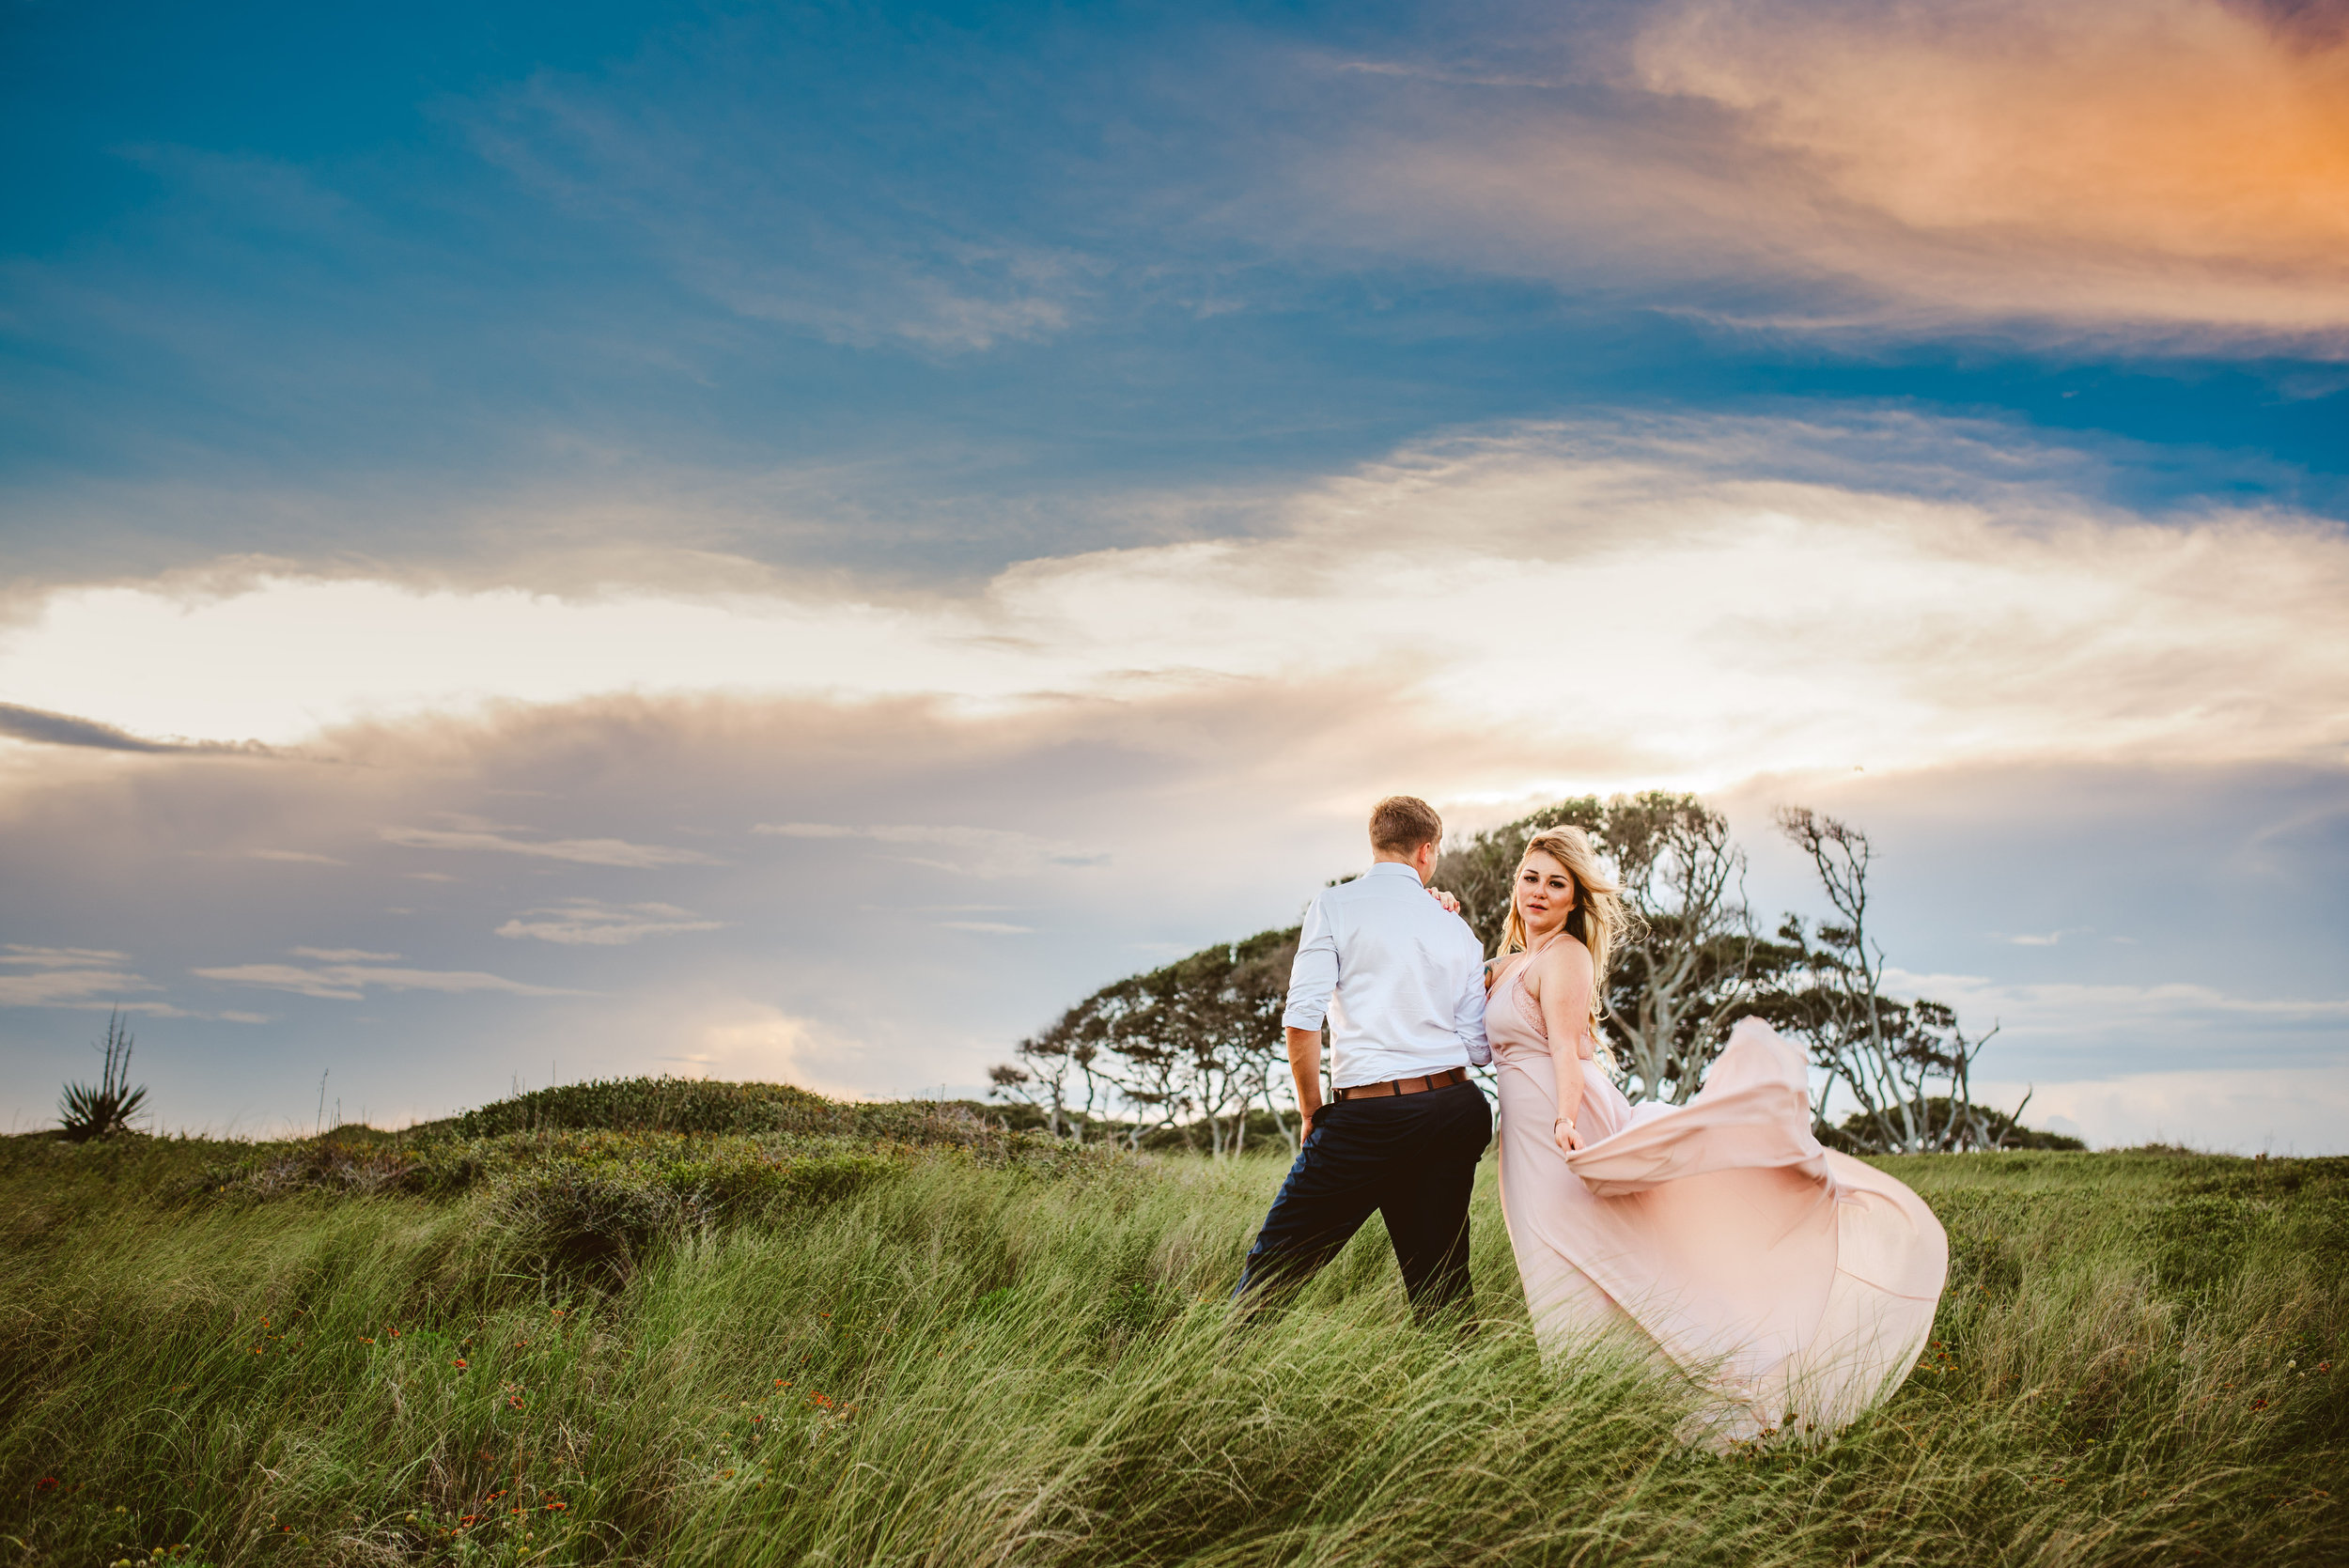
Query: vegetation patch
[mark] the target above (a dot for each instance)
(955, 1343)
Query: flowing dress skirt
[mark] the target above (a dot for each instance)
(1796, 1285)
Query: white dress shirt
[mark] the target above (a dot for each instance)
(1400, 978)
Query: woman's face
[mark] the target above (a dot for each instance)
(1545, 893)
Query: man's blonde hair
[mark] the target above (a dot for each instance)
(1401, 823)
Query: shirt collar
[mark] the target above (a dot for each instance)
(1391, 868)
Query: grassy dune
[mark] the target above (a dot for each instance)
(904, 1339)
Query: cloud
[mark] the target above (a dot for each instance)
(300, 857)
(1749, 595)
(761, 1043)
(746, 210)
(2068, 1008)
(345, 956)
(2147, 167)
(974, 852)
(586, 923)
(76, 977)
(1761, 603)
(2230, 1109)
(989, 927)
(579, 851)
(59, 957)
(84, 988)
(63, 729)
(352, 982)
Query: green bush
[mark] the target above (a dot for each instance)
(661, 1105)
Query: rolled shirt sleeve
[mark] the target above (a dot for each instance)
(1468, 1015)
(1315, 974)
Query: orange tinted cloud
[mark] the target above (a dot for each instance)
(2172, 159)
(2160, 170)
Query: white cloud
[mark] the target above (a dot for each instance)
(579, 851)
(586, 923)
(84, 988)
(59, 957)
(85, 978)
(2070, 1007)
(1724, 623)
(298, 856)
(2281, 1110)
(976, 851)
(350, 982)
(754, 1041)
(989, 927)
(345, 956)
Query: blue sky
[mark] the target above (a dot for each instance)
(1114, 381)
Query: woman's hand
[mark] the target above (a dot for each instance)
(1568, 1139)
(1451, 905)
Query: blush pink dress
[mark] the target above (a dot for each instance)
(1796, 1286)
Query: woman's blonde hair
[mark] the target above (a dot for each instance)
(1600, 920)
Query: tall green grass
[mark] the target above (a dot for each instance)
(966, 1356)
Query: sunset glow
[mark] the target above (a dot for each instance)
(798, 547)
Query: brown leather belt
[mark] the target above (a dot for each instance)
(1445, 1080)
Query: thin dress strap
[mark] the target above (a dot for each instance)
(1529, 1008)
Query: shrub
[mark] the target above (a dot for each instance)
(661, 1105)
(107, 1109)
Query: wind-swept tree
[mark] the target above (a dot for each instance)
(1194, 1044)
(1697, 965)
(1907, 1063)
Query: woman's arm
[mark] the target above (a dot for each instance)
(1567, 977)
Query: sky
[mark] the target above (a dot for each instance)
(795, 542)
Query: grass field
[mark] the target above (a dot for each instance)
(792, 1332)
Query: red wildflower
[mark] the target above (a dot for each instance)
(2259, 1404)
(458, 1363)
(46, 1484)
(557, 1507)
(513, 1402)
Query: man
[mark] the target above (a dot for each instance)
(1401, 981)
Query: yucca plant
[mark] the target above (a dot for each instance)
(106, 1109)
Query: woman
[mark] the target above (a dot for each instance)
(1795, 1285)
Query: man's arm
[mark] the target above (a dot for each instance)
(1313, 979)
(1305, 1067)
(1468, 1013)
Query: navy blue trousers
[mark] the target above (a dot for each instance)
(1412, 1157)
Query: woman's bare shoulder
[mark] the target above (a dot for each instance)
(1568, 958)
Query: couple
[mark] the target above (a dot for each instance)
(1795, 1285)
